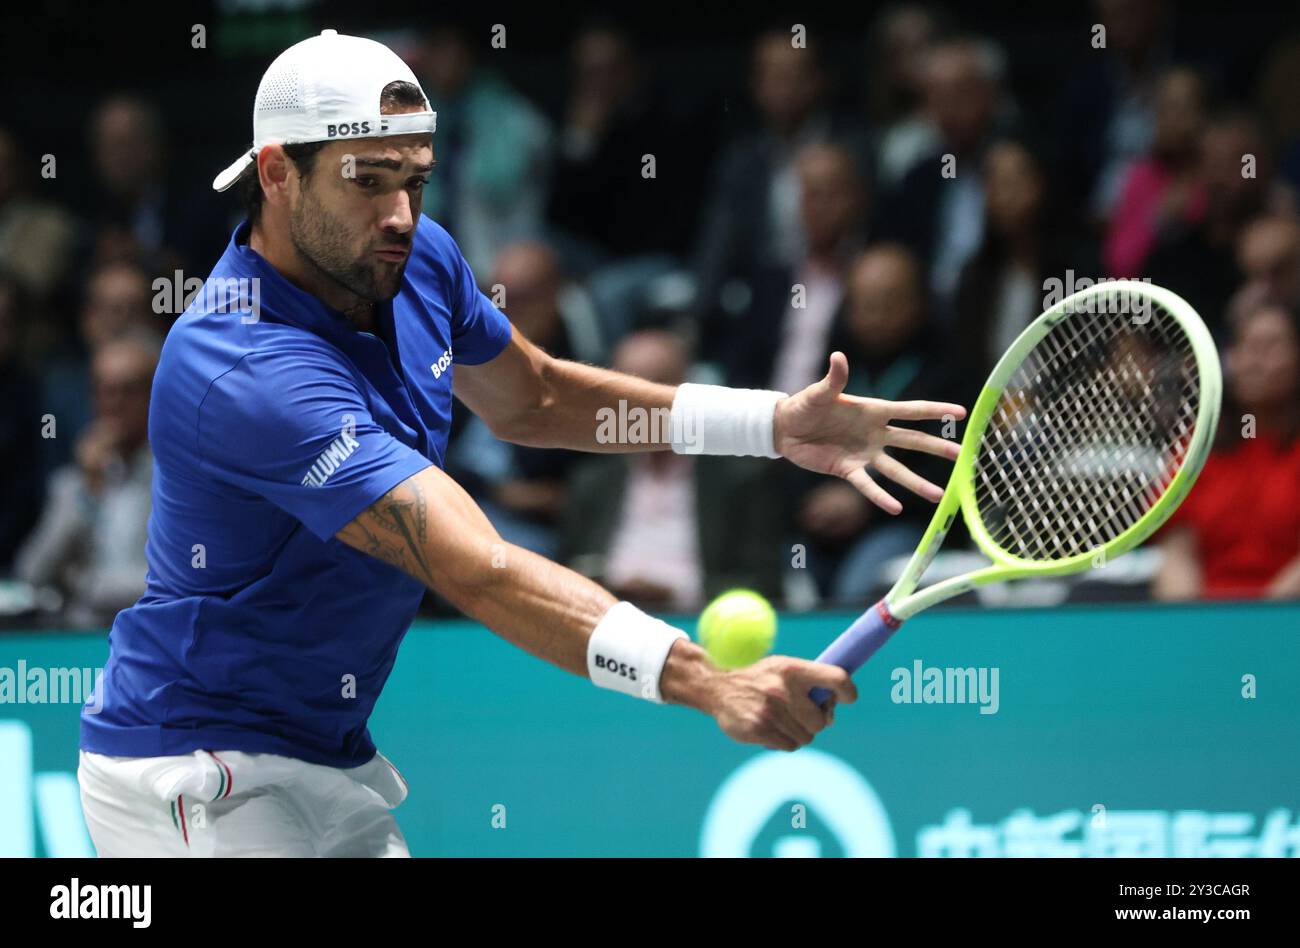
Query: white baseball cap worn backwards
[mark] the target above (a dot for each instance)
(327, 88)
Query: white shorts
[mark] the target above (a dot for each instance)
(228, 803)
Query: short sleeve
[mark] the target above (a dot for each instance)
(479, 331)
(293, 427)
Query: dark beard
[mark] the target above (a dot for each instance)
(324, 243)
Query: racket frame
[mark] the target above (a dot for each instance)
(902, 600)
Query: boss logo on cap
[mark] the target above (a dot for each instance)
(346, 128)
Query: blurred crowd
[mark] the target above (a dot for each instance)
(917, 224)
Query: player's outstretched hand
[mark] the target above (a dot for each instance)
(767, 703)
(824, 430)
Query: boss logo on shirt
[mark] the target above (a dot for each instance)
(622, 669)
(444, 361)
(347, 128)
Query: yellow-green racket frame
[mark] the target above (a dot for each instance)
(903, 602)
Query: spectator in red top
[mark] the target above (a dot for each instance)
(1238, 533)
(1162, 188)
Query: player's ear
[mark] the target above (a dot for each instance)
(273, 170)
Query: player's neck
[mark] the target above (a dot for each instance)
(278, 250)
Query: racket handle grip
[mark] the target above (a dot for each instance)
(858, 643)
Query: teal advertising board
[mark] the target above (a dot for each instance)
(1075, 731)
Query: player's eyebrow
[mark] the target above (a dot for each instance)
(393, 164)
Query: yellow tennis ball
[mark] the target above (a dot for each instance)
(738, 628)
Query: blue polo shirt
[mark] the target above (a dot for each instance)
(274, 423)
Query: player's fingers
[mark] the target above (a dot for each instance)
(808, 675)
(912, 440)
(925, 411)
(899, 473)
(836, 377)
(785, 720)
(860, 479)
(779, 743)
(811, 717)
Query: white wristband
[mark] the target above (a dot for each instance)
(627, 651)
(713, 419)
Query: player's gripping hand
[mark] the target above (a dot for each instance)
(767, 703)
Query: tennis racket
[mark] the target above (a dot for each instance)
(1087, 435)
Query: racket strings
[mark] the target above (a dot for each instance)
(1088, 432)
(1105, 440)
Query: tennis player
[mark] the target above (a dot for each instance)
(299, 420)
